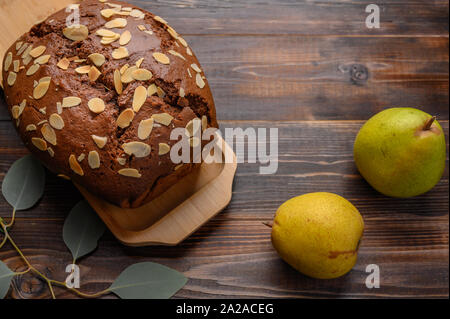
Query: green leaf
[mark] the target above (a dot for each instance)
(24, 183)
(148, 281)
(82, 230)
(5, 279)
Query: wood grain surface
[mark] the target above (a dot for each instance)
(285, 64)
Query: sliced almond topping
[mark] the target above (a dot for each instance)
(152, 90)
(74, 166)
(94, 74)
(33, 69)
(163, 149)
(148, 32)
(41, 89)
(199, 81)
(94, 159)
(42, 59)
(141, 27)
(27, 60)
(137, 149)
(127, 76)
(141, 75)
(22, 48)
(12, 76)
(8, 62)
(56, 121)
(175, 53)
(116, 23)
(26, 53)
(124, 68)
(188, 51)
(172, 32)
(63, 64)
(19, 45)
(59, 107)
(39, 143)
(204, 122)
(107, 13)
(130, 172)
(51, 152)
(42, 122)
(125, 118)
(162, 118)
(105, 33)
(182, 93)
(161, 58)
(107, 41)
(135, 13)
(97, 58)
(43, 110)
(183, 42)
(196, 68)
(122, 161)
(64, 177)
(160, 92)
(76, 32)
(125, 38)
(140, 95)
(145, 129)
(15, 112)
(120, 53)
(30, 128)
(71, 101)
(96, 105)
(117, 82)
(38, 51)
(79, 60)
(189, 72)
(178, 167)
(16, 65)
(83, 69)
(139, 62)
(48, 133)
(99, 140)
(81, 157)
(159, 19)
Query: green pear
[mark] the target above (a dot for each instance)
(401, 152)
(318, 234)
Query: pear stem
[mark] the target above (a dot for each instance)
(429, 123)
(268, 224)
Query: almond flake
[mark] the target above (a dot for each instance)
(106, 41)
(48, 133)
(15, 112)
(42, 122)
(71, 101)
(96, 105)
(163, 149)
(152, 90)
(196, 68)
(137, 149)
(74, 166)
(124, 68)
(175, 53)
(188, 51)
(59, 107)
(120, 53)
(127, 76)
(204, 122)
(148, 32)
(182, 93)
(33, 69)
(99, 140)
(63, 64)
(130, 172)
(39, 143)
(199, 81)
(81, 157)
(145, 129)
(140, 95)
(116, 23)
(107, 13)
(18, 45)
(161, 58)
(141, 75)
(159, 19)
(105, 33)
(56, 121)
(172, 32)
(125, 118)
(51, 152)
(125, 38)
(67, 178)
(30, 128)
(117, 82)
(42, 59)
(127, 9)
(27, 60)
(12, 76)
(26, 53)
(94, 159)
(141, 27)
(178, 167)
(122, 161)
(8, 61)
(94, 74)
(43, 110)
(135, 13)
(139, 62)
(97, 58)
(189, 72)
(80, 60)
(183, 42)
(41, 89)
(162, 118)
(38, 51)
(76, 32)
(24, 46)
(160, 92)
(16, 66)
(83, 69)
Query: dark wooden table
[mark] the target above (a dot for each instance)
(283, 64)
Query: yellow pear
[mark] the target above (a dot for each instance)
(318, 234)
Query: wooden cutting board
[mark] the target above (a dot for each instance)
(168, 219)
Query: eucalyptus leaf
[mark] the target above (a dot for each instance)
(82, 230)
(24, 183)
(148, 281)
(5, 279)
